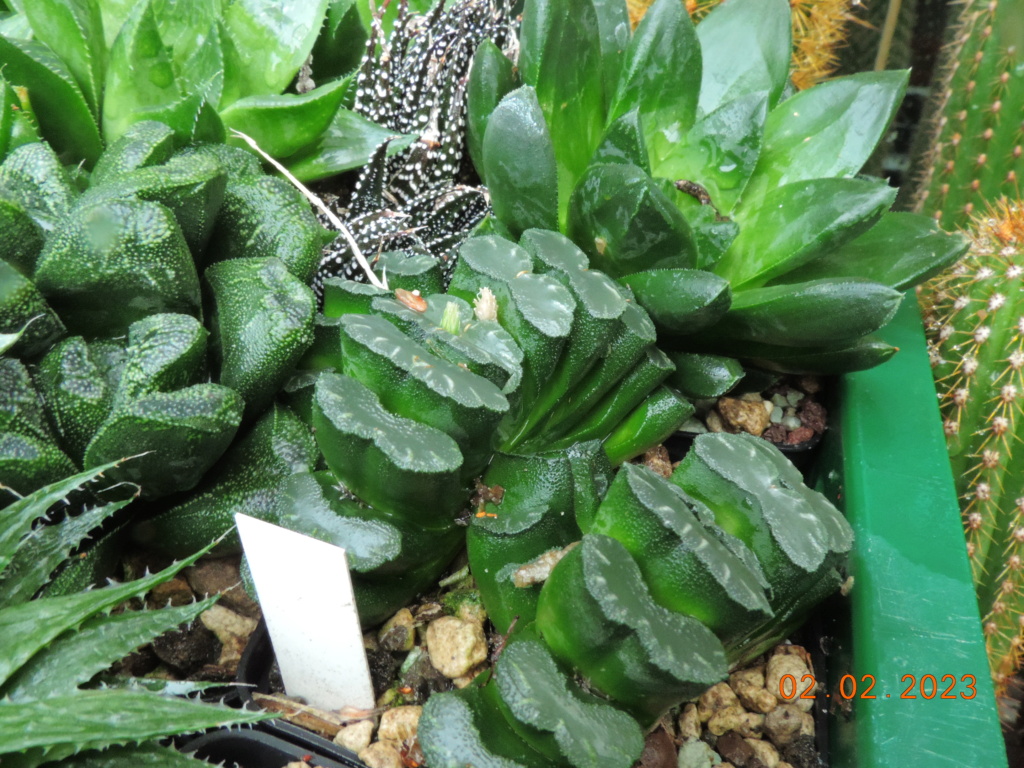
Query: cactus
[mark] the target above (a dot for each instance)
(55, 644)
(977, 348)
(971, 148)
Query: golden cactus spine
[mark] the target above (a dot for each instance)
(975, 318)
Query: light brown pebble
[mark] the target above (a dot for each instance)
(398, 633)
(355, 737)
(779, 667)
(689, 723)
(455, 646)
(468, 678)
(714, 422)
(748, 685)
(399, 723)
(764, 752)
(382, 754)
(744, 415)
(735, 718)
(214, 575)
(718, 696)
(233, 631)
(785, 723)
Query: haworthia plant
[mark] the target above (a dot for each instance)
(123, 265)
(721, 202)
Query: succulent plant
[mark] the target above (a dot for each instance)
(414, 85)
(672, 580)
(172, 268)
(821, 30)
(85, 71)
(721, 202)
(977, 350)
(970, 145)
(55, 645)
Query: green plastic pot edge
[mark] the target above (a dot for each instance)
(912, 606)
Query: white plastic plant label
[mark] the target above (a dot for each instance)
(305, 591)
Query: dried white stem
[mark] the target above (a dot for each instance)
(331, 217)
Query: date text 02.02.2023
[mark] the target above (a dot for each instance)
(927, 687)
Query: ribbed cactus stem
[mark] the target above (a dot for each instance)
(973, 151)
(977, 327)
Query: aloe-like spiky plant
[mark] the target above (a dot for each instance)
(977, 347)
(971, 149)
(412, 82)
(55, 645)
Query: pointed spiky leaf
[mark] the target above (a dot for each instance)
(103, 718)
(29, 627)
(18, 517)
(46, 548)
(73, 659)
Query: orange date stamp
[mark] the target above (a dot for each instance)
(850, 687)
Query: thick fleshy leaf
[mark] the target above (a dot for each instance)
(798, 222)
(341, 42)
(519, 164)
(680, 300)
(19, 515)
(829, 130)
(491, 77)
(74, 28)
(264, 320)
(141, 83)
(181, 433)
(282, 124)
(249, 476)
(818, 313)
(44, 549)
(624, 142)
(266, 217)
(347, 143)
(661, 78)
(269, 41)
(823, 361)
(31, 626)
(720, 152)
(613, 26)
(115, 262)
(74, 658)
(902, 250)
(625, 223)
(61, 109)
(557, 718)
(105, 717)
(745, 47)
(560, 57)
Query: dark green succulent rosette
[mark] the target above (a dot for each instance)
(177, 341)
